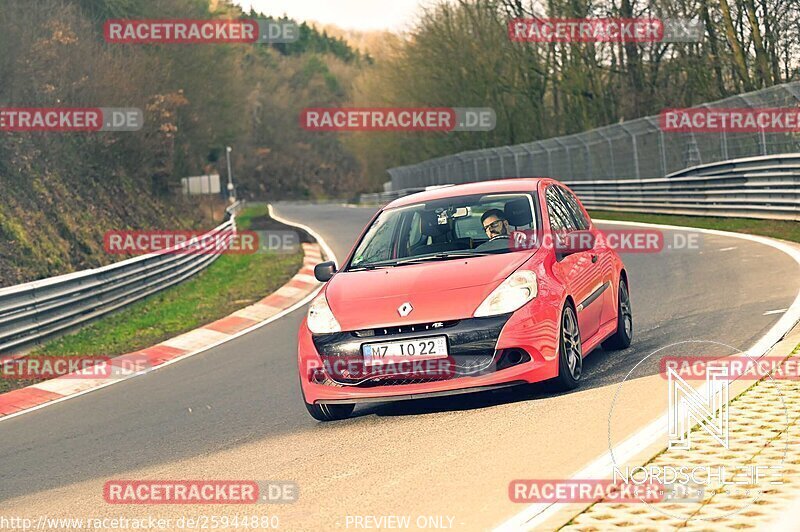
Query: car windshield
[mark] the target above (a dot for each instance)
(457, 227)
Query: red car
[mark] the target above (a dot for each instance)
(462, 289)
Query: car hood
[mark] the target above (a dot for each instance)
(437, 291)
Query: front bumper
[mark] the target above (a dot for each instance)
(426, 395)
(480, 359)
(471, 346)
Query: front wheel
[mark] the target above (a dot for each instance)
(570, 351)
(621, 339)
(325, 412)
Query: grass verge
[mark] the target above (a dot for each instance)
(230, 283)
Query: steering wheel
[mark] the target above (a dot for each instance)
(497, 237)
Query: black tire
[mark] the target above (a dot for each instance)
(330, 412)
(621, 339)
(570, 351)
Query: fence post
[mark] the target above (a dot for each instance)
(588, 156)
(610, 150)
(502, 166)
(529, 152)
(516, 161)
(463, 169)
(569, 160)
(794, 90)
(635, 150)
(652, 121)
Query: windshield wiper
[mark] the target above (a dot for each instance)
(373, 266)
(442, 256)
(368, 267)
(421, 258)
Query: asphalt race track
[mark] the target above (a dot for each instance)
(234, 412)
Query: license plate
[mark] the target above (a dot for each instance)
(429, 348)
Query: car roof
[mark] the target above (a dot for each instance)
(518, 184)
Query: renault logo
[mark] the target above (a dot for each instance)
(405, 309)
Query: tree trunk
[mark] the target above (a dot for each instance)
(712, 44)
(739, 62)
(758, 44)
(634, 61)
(771, 37)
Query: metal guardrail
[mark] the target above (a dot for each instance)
(383, 198)
(32, 311)
(755, 187)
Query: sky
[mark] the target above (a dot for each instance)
(392, 15)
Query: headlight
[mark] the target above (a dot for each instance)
(518, 289)
(320, 317)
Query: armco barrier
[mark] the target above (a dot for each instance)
(385, 197)
(32, 311)
(755, 187)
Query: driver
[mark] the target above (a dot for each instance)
(495, 224)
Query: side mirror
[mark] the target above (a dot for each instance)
(324, 271)
(574, 242)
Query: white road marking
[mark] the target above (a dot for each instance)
(779, 311)
(535, 515)
(728, 249)
(321, 241)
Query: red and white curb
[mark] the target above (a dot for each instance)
(294, 294)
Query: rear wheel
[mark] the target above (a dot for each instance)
(621, 339)
(570, 351)
(325, 412)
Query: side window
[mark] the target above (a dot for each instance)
(560, 218)
(574, 208)
(377, 244)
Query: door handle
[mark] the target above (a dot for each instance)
(594, 259)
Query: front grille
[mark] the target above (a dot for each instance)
(470, 364)
(389, 381)
(403, 329)
(471, 346)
